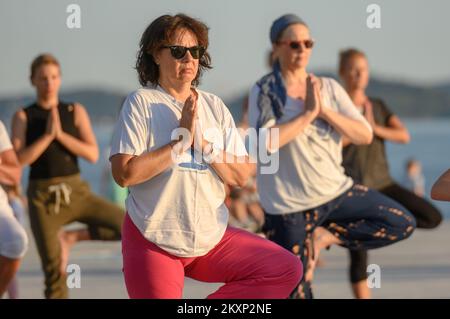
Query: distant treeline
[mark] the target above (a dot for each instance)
(404, 99)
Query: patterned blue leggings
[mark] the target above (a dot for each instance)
(361, 218)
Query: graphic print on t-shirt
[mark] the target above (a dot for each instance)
(189, 161)
(323, 128)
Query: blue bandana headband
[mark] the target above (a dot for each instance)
(272, 96)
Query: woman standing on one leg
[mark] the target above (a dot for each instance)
(310, 188)
(414, 179)
(176, 223)
(50, 135)
(367, 164)
(13, 238)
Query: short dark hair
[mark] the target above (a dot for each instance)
(158, 34)
(346, 55)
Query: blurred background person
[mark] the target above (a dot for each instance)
(243, 202)
(19, 207)
(108, 186)
(50, 135)
(245, 209)
(13, 237)
(413, 179)
(368, 164)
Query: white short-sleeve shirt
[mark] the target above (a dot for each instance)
(182, 209)
(5, 145)
(310, 166)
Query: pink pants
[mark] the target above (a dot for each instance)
(251, 267)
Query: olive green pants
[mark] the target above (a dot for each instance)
(58, 201)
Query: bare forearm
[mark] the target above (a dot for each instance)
(345, 141)
(31, 153)
(88, 151)
(354, 130)
(419, 191)
(235, 171)
(10, 174)
(290, 130)
(441, 189)
(144, 167)
(397, 135)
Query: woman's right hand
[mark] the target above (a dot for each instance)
(189, 115)
(312, 100)
(51, 126)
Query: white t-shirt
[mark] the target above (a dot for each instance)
(310, 172)
(182, 209)
(5, 144)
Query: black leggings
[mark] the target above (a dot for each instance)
(427, 217)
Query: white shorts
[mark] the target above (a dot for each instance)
(13, 237)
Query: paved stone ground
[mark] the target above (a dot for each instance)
(416, 268)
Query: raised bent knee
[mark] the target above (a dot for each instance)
(409, 227)
(432, 220)
(16, 247)
(293, 269)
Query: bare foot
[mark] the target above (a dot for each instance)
(320, 262)
(361, 290)
(66, 240)
(321, 238)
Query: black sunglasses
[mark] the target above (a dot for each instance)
(295, 45)
(178, 51)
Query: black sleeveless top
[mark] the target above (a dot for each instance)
(368, 164)
(56, 160)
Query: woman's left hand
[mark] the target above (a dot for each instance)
(368, 113)
(56, 122)
(323, 109)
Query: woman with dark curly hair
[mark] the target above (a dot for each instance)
(176, 223)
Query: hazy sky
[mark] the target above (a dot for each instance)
(412, 44)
